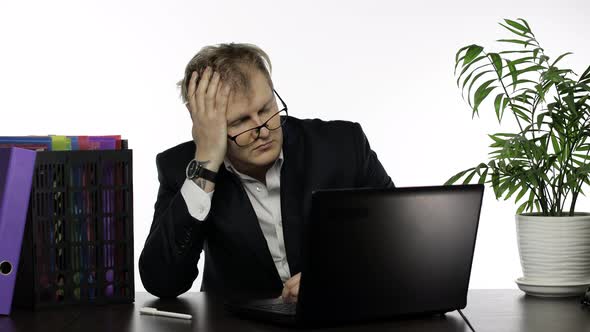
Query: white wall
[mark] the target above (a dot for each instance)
(110, 67)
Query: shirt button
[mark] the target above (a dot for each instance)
(257, 188)
(201, 209)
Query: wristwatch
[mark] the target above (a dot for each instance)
(196, 169)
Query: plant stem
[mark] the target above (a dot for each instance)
(573, 204)
(559, 193)
(578, 187)
(530, 159)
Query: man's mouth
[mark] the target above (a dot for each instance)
(263, 146)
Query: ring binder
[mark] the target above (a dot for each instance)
(16, 173)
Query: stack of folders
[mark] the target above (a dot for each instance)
(64, 143)
(78, 240)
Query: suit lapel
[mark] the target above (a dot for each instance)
(292, 184)
(244, 219)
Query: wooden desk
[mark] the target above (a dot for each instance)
(487, 310)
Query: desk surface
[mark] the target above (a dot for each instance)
(487, 310)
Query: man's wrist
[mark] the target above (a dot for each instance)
(208, 162)
(204, 184)
(211, 166)
(202, 173)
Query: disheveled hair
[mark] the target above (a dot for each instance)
(232, 61)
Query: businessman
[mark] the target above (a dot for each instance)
(241, 188)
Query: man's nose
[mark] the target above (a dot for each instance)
(264, 132)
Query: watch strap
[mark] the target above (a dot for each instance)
(196, 169)
(206, 174)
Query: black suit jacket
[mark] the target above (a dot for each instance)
(317, 155)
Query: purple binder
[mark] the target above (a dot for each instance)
(16, 175)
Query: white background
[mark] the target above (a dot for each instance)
(110, 67)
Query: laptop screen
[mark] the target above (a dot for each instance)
(384, 252)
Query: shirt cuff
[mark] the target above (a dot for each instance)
(196, 199)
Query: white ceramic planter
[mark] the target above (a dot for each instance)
(554, 250)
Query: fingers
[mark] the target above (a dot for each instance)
(290, 294)
(291, 288)
(295, 291)
(191, 91)
(202, 89)
(293, 280)
(285, 293)
(210, 95)
(211, 92)
(222, 98)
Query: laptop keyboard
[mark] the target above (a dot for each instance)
(283, 308)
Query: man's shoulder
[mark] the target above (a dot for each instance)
(179, 152)
(324, 126)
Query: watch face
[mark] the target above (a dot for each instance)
(191, 170)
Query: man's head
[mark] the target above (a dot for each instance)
(246, 68)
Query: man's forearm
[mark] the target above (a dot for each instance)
(168, 262)
(207, 186)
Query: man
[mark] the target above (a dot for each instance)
(241, 189)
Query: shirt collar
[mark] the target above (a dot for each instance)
(228, 166)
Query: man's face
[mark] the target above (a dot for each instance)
(247, 110)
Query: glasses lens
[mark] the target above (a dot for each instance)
(273, 123)
(276, 121)
(246, 137)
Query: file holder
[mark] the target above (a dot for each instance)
(78, 242)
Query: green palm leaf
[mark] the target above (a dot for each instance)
(549, 156)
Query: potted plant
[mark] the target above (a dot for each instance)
(545, 164)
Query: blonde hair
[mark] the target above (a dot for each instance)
(231, 61)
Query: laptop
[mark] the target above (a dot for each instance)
(380, 253)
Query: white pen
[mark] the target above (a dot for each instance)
(156, 312)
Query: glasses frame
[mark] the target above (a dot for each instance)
(263, 125)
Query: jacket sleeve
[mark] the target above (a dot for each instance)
(370, 172)
(168, 261)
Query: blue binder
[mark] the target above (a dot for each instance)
(16, 175)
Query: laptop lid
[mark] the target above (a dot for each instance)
(371, 253)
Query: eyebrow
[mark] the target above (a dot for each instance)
(245, 116)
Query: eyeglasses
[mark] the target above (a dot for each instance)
(586, 298)
(276, 121)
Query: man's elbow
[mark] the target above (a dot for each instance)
(158, 282)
